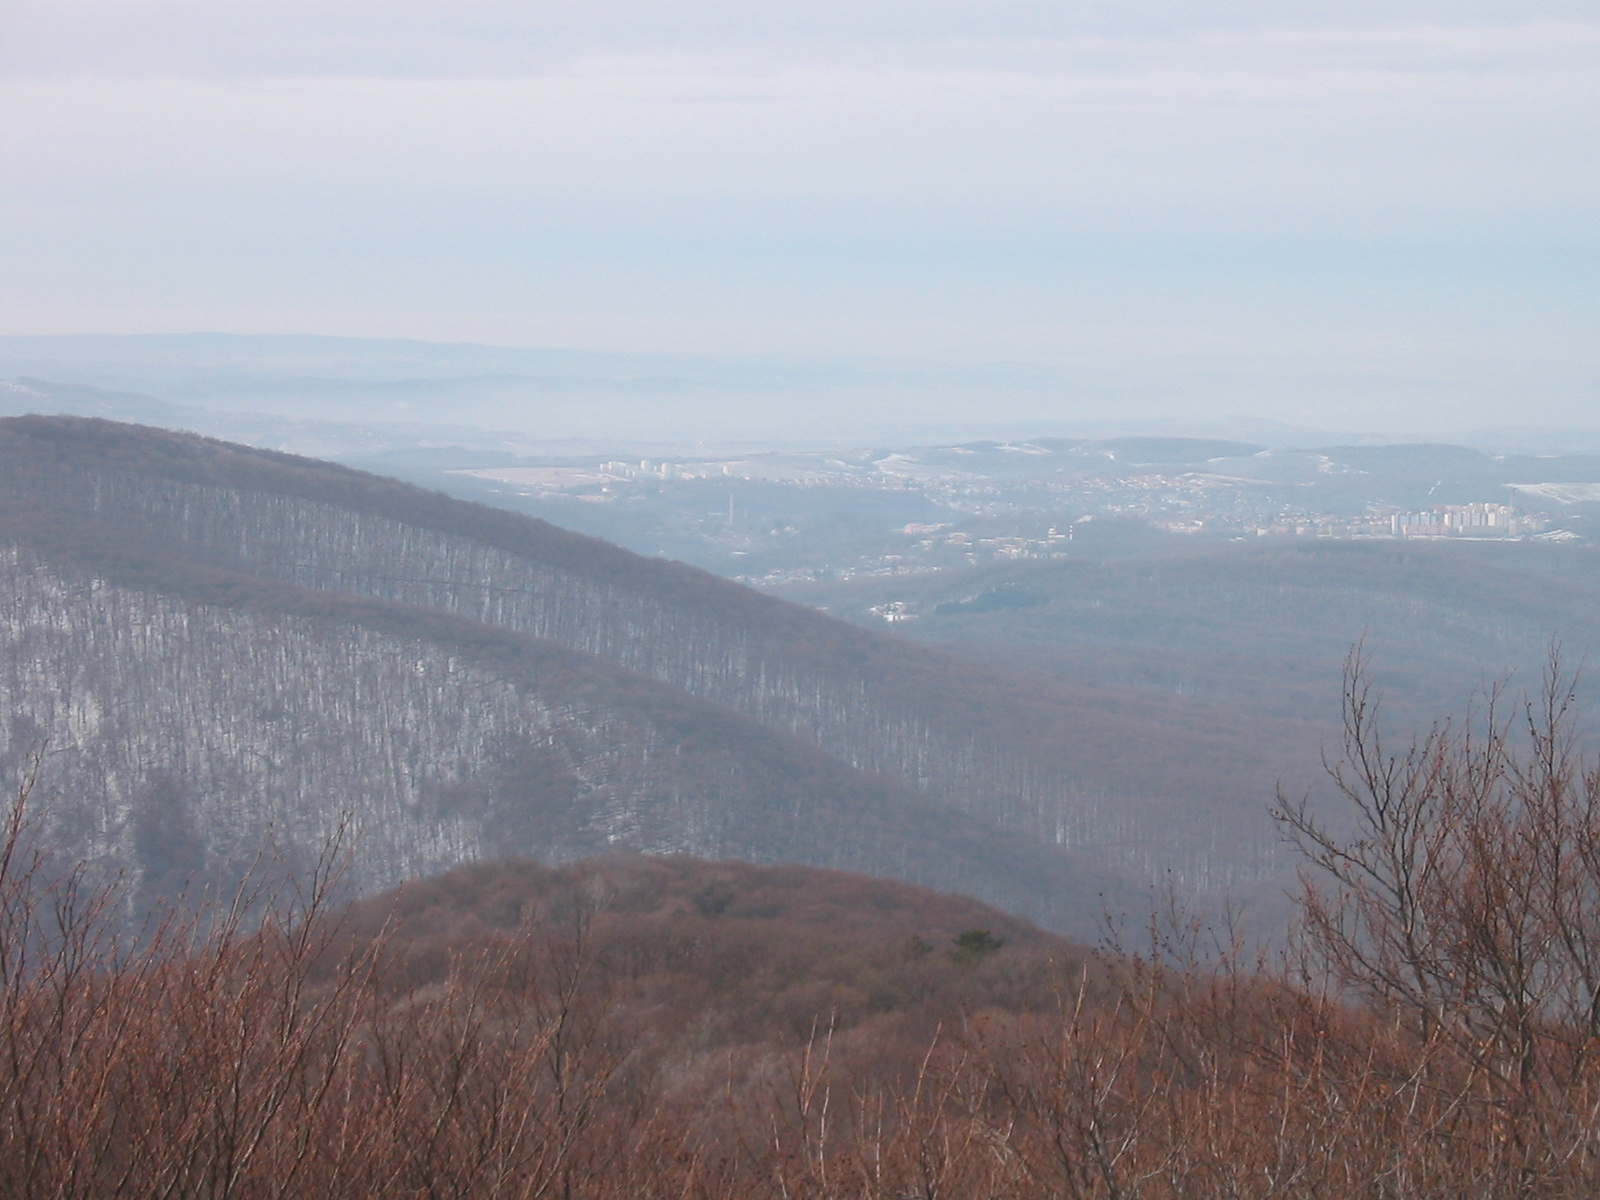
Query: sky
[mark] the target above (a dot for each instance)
(1343, 213)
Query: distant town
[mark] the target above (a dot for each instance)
(779, 519)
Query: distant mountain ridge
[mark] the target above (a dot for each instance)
(780, 400)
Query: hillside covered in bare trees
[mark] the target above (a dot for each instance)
(211, 649)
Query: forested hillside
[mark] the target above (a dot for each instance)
(196, 696)
(1042, 767)
(183, 740)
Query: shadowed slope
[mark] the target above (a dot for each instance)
(1143, 787)
(194, 712)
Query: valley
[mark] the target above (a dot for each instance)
(1052, 725)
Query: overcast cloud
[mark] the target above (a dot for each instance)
(1386, 210)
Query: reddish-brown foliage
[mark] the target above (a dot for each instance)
(635, 1027)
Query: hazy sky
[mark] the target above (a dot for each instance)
(1384, 209)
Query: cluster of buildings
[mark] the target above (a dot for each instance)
(1495, 522)
(646, 469)
(1465, 520)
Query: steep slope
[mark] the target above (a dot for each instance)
(191, 715)
(182, 739)
(1058, 766)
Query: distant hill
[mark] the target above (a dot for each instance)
(1160, 451)
(1261, 631)
(313, 435)
(750, 400)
